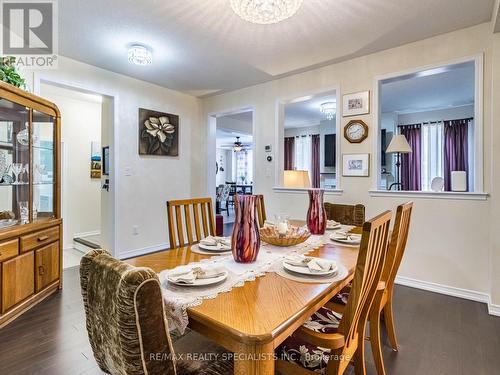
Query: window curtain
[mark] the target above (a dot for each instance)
(455, 149)
(410, 163)
(432, 153)
(303, 153)
(289, 153)
(315, 173)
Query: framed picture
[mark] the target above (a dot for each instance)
(356, 104)
(356, 165)
(95, 160)
(158, 133)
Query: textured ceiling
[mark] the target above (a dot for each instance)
(202, 47)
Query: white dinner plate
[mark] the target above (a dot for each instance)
(333, 227)
(213, 248)
(306, 271)
(355, 241)
(202, 282)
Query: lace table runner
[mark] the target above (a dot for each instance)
(178, 298)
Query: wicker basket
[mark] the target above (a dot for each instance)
(295, 236)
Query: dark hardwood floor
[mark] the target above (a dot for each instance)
(437, 334)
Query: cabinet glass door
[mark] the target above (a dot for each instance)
(14, 164)
(43, 166)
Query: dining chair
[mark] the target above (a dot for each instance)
(222, 195)
(261, 210)
(127, 326)
(345, 213)
(328, 341)
(197, 211)
(232, 193)
(383, 301)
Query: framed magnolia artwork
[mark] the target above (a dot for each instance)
(158, 133)
(356, 104)
(356, 165)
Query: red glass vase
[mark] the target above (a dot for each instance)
(245, 239)
(316, 215)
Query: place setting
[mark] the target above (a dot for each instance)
(213, 245)
(309, 269)
(346, 238)
(196, 275)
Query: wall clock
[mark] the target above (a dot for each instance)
(356, 131)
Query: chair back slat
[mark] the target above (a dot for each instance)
(368, 272)
(261, 210)
(180, 221)
(398, 242)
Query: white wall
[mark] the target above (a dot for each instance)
(81, 195)
(141, 197)
(450, 240)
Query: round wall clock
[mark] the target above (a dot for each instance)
(356, 131)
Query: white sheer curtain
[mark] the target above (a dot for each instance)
(432, 153)
(303, 148)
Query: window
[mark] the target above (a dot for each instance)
(428, 130)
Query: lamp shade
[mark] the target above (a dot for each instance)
(398, 144)
(297, 179)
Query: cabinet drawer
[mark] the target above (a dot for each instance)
(40, 238)
(9, 249)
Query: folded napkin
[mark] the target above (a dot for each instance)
(346, 236)
(314, 264)
(189, 275)
(332, 223)
(223, 243)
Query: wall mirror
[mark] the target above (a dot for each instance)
(428, 130)
(310, 141)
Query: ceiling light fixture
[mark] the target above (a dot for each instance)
(237, 147)
(329, 109)
(140, 55)
(265, 11)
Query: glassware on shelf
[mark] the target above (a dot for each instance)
(41, 170)
(26, 171)
(23, 212)
(17, 169)
(35, 212)
(23, 136)
(5, 177)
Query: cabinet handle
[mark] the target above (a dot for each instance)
(43, 238)
(41, 270)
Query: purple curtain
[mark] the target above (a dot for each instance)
(289, 153)
(410, 163)
(315, 174)
(456, 156)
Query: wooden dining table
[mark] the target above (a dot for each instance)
(253, 320)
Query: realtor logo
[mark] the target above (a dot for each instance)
(29, 31)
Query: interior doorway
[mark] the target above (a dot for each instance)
(84, 130)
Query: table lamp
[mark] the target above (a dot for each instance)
(399, 145)
(296, 179)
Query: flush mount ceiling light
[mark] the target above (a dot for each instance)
(265, 11)
(140, 55)
(329, 109)
(237, 147)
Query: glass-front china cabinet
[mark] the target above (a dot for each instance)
(30, 223)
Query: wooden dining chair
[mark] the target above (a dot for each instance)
(261, 210)
(182, 214)
(384, 296)
(328, 341)
(345, 213)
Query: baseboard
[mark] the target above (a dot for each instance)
(143, 251)
(86, 234)
(444, 289)
(493, 309)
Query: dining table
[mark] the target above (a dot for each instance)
(253, 320)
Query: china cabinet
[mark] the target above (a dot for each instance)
(30, 220)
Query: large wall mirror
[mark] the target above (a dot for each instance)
(310, 141)
(429, 130)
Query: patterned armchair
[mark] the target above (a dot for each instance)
(126, 322)
(346, 214)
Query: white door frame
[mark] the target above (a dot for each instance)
(40, 78)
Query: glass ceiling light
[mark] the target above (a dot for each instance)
(140, 55)
(265, 11)
(329, 109)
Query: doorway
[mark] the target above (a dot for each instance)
(83, 133)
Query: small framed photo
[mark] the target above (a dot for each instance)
(356, 165)
(356, 104)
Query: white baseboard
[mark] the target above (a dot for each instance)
(143, 251)
(443, 289)
(86, 234)
(493, 309)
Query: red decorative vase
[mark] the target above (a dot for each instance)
(246, 237)
(316, 215)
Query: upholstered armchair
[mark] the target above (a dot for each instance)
(346, 214)
(126, 322)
